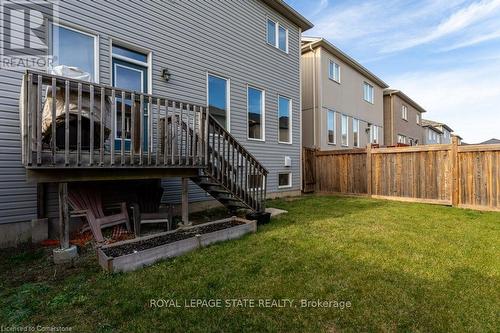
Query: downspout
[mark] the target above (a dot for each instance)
(392, 119)
(300, 112)
(314, 95)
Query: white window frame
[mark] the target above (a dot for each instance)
(346, 144)
(334, 128)
(146, 64)
(82, 31)
(289, 173)
(263, 120)
(404, 112)
(355, 121)
(228, 96)
(401, 138)
(277, 26)
(371, 93)
(332, 73)
(290, 109)
(116, 108)
(418, 118)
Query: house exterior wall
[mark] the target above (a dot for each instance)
(309, 101)
(430, 136)
(446, 136)
(345, 98)
(191, 39)
(395, 124)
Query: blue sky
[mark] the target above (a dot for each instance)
(443, 54)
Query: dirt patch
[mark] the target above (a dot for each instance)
(176, 236)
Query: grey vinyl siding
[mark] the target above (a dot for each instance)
(190, 38)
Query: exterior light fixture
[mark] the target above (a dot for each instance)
(165, 74)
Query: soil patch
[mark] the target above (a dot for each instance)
(178, 235)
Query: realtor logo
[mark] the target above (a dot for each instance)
(24, 41)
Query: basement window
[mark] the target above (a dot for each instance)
(285, 180)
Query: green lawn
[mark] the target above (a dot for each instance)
(402, 267)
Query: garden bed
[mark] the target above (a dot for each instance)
(132, 254)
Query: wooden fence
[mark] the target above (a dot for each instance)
(463, 176)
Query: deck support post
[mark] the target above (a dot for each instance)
(185, 203)
(66, 253)
(63, 215)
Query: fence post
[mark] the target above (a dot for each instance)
(454, 172)
(314, 170)
(369, 169)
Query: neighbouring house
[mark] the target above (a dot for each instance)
(459, 138)
(342, 101)
(491, 141)
(168, 63)
(402, 119)
(436, 132)
(430, 134)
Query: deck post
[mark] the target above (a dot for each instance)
(66, 253)
(63, 215)
(185, 203)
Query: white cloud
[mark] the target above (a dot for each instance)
(473, 40)
(468, 99)
(461, 19)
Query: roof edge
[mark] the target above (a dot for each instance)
(290, 13)
(403, 96)
(315, 42)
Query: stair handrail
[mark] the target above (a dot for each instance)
(213, 120)
(227, 174)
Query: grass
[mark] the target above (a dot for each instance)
(402, 267)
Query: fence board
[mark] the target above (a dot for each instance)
(465, 176)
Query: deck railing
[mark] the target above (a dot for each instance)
(235, 167)
(68, 123)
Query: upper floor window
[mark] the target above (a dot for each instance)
(285, 119)
(277, 35)
(331, 126)
(344, 130)
(404, 112)
(74, 48)
(255, 113)
(334, 71)
(374, 134)
(418, 118)
(368, 92)
(355, 132)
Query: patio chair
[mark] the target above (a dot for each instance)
(86, 202)
(148, 209)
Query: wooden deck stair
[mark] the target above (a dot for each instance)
(233, 176)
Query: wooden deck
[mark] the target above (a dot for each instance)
(77, 132)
